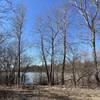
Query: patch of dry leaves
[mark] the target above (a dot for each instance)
(71, 93)
(75, 93)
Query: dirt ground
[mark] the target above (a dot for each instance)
(49, 93)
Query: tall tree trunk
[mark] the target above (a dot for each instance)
(74, 74)
(95, 57)
(63, 69)
(64, 59)
(19, 60)
(94, 51)
(44, 58)
(94, 48)
(52, 62)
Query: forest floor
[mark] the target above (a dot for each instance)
(48, 93)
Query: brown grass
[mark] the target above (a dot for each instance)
(49, 93)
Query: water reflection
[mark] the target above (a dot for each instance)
(33, 77)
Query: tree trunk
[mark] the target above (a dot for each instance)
(19, 60)
(52, 62)
(64, 59)
(44, 58)
(95, 57)
(94, 51)
(74, 75)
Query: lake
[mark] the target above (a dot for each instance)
(33, 77)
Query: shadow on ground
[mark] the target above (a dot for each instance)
(43, 95)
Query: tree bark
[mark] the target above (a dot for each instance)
(64, 59)
(52, 62)
(19, 60)
(44, 58)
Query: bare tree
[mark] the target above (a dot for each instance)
(40, 29)
(5, 11)
(48, 44)
(63, 27)
(83, 7)
(8, 62)
(73, 59)
(44, 58)
(6, 8)
(53, 32)
(18, 30)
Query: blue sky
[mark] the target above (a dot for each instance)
(35, 8)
